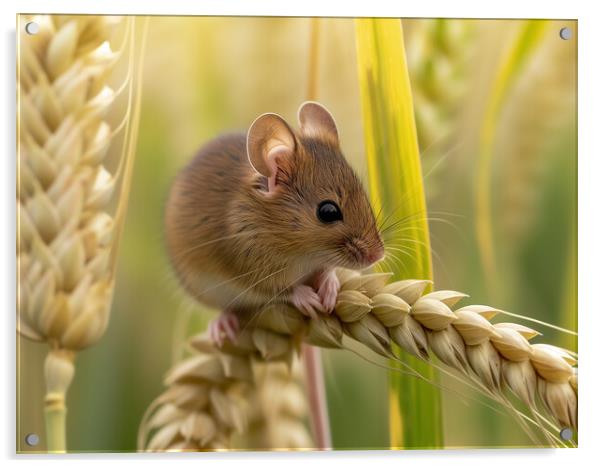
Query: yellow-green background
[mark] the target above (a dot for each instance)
(203, 76)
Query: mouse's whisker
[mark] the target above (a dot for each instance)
(258, 312)
(401, 223)
(393, 212)
(394, 263)
(403, 241)
(404, 198)
(404, 219)
(401, 251)
(213, 241)
(390, 252)
(229, 280)
(384, 264)
(403, 229)
(393, 236)
(434, 251)
(255, 316)
(379, 214)
(288, 286)
(442, 159)
(418, 216)
(340, 256)
(398, 246)
(383, 223)
(394, 217)
(261, 280)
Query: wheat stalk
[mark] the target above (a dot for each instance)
(207, 396)
(66, 230)
(395, 174)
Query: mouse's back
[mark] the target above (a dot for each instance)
(200, 196)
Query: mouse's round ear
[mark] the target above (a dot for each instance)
(269, 139)
(316, 121)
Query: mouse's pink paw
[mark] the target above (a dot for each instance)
(307, 300)
(328, 286)
(226, 325)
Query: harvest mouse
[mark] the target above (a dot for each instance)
(267, 216)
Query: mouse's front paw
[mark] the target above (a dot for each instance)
(328, 286)
(226, 324)
(306, 300)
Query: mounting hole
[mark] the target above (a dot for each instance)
(566, 33)
(32, 28)
(566, 433)
(32, 439)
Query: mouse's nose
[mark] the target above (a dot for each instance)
(375, 254)
(365, 252)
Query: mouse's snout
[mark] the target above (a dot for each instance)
(365, 252)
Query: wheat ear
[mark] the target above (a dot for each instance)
(214, 395)
(279, 409)
(201, 409)
(66, 232)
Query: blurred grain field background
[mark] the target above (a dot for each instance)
(204, 76)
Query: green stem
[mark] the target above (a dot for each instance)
(525, 43)
(397, 192)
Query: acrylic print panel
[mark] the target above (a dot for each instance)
(378, 252)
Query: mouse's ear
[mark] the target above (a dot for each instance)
(316, 121)
(268, 140)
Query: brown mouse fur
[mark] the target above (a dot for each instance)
(241, 220)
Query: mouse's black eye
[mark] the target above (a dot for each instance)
(329, 212)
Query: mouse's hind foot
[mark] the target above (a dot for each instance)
(224, 326)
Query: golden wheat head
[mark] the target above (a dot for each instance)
(67, 176)
(498, 358)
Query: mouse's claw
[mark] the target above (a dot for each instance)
(328, 286)
(307, 300)
(226, 324)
